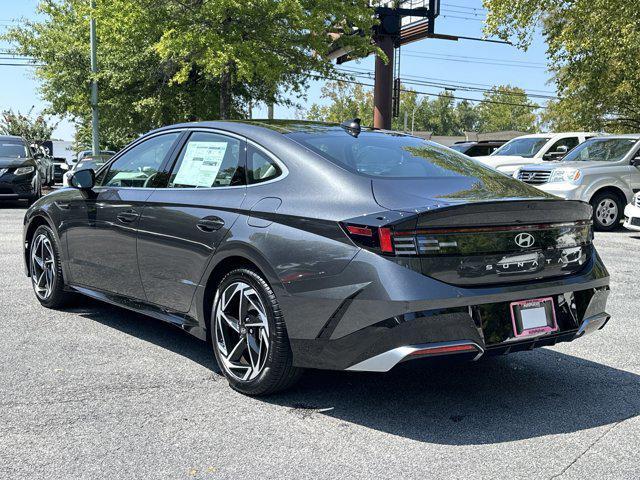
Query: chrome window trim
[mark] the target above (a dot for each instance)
(248, 141)
(276, 160)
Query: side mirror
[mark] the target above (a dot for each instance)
(635, 162)
(83, 179)
(560, 152)
(38, 155)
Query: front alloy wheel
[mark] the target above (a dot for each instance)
(242, 331)
(249, 335)
(45, 269)
(43, 266)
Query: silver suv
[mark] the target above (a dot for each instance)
(604, 171)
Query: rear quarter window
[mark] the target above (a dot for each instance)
(384, 155)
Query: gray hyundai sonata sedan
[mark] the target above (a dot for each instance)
(292, 245)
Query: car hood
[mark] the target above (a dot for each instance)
(418, 195)
(12, 162)
(546, 166)
(498, 160)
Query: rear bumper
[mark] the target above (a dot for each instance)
(373, 325)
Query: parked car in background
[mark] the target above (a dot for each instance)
(89, 153)
(632, 214)
(478, 149)
(529, 149)
(603, 171)
(87, 163)
(43, 157)
(60, 167)
(296, 244)
(21, 175)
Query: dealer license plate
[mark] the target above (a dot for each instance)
(533, 317)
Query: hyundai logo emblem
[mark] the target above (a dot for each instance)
(525, 240)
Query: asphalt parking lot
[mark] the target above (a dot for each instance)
(99, 392)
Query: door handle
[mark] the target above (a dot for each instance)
(63, 205)
(210, 224)
(128, 216)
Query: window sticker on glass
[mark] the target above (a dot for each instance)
(201, 164)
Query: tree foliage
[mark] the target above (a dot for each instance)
(165, 62)
(345, 101)
(594, 55)
(441, 116)
(34, 128)
(506, 108)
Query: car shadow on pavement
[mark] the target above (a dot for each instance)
(500, 399)
(147, 329)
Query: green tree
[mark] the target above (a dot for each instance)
(34, 128)
(506, 108)
(594, 56)
(344, 101)
(175, 60)
(467, 117)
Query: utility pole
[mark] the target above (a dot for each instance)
(95, 137)
(383, 89)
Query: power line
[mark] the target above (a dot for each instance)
(448, 80)
(430, 94)
(417, 80)
(21, 65)
(457, 5)
(479, 62)
(466, 57)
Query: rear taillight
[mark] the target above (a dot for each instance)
(384, 237)
(379, 239)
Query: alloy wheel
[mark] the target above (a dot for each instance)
(43, 266)
(607, 211)
(241, 331)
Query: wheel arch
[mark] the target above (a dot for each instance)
(619, 192)
(35, 221)
(239, 255)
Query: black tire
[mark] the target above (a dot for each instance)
(56, 296)
(277, 372)
(607, 211)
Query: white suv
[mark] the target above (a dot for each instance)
(632, 214)
(530, 149)
(604, 171)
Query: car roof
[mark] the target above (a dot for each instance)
(11, 137)
(552, 135)
(280, 126)
(633, 136)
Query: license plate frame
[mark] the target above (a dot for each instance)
(530, 324)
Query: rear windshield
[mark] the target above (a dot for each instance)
(13, 149)
(522, 147)
(601, 150)
(386, 155)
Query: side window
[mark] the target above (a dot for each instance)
(569, 142)
(208, 160)
(140, 166)
(478, 150)
(260, 167)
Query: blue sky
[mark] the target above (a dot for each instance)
(440, 61)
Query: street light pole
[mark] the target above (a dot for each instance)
(94, 83)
